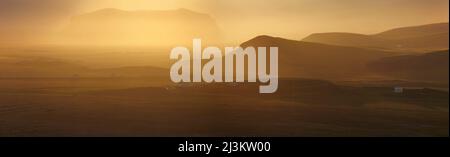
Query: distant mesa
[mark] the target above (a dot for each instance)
(425, 38)
(143, 27)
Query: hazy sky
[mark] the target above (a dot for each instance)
(240, 19)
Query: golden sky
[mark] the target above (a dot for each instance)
(239, 20)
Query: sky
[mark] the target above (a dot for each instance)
(239, 20)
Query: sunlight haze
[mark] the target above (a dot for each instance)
(238, 21)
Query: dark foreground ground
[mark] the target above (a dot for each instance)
(136, 107)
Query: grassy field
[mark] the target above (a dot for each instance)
(136, 107)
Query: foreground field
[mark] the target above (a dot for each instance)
(94, 107)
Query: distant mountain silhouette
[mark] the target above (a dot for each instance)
(432, 66)
(160, 28)
(313, 60)
(425, 38)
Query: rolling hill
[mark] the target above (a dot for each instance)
(314, 60)
(414, 31)
(432, 66)
(425, 38)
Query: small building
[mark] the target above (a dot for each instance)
(398, 89)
